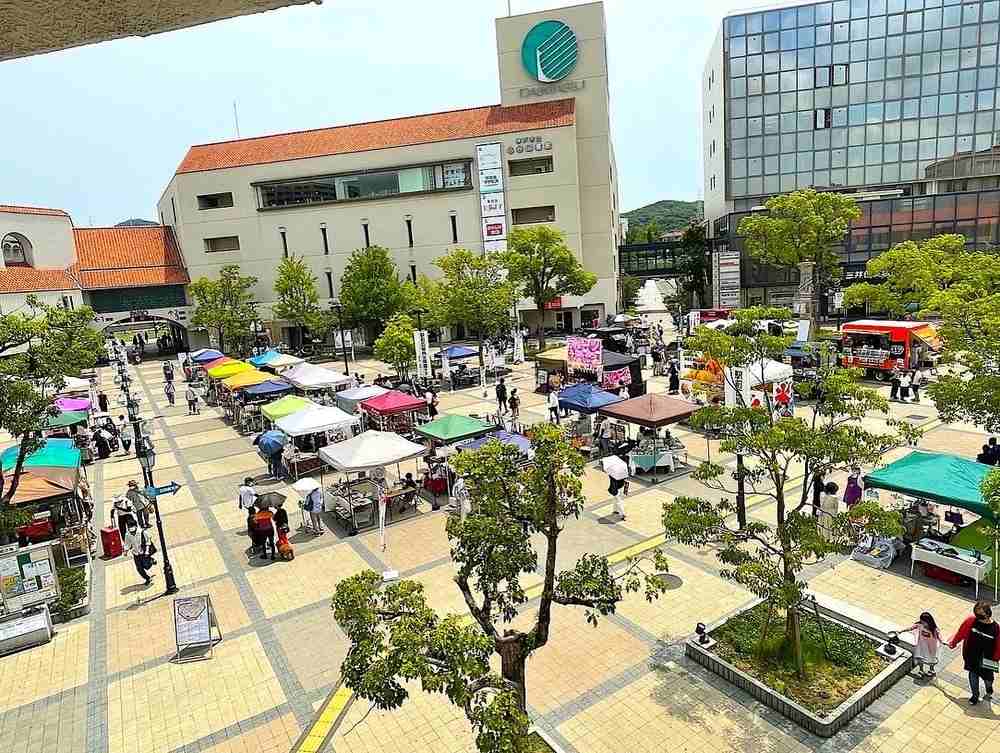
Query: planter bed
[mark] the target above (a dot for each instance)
(850, 689)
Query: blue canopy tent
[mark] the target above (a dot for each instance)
(269, 388)
(504, 437)
(586, 397)
(264, 358)
(456, 352)
(206, 356)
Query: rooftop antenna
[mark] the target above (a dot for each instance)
(236, 119)
(508, 8)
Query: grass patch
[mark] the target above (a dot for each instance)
(537, 745)
(833, 672)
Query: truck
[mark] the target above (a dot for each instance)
(881, 347)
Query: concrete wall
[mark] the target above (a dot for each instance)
(51, 238)
(10, 302)
(713, 129)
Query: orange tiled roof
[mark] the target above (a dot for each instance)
(381, 134)
(127, 257)
(15, 209)
(31, 280)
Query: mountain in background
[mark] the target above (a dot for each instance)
(669, 215)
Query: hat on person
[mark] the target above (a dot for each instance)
(133, 483)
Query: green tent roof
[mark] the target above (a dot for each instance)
(948, 479)
(67, 418)
(286, 406)
(55, 453)
(454, 428)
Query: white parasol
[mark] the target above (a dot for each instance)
(305, 486)
(615, 467)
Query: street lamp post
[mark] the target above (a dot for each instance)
(147, 460)
(339, 307)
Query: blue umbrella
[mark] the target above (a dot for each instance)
(271, 442)
(586, 398)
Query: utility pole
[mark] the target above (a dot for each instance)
(147, 459)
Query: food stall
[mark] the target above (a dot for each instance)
(552, 372)
(349, 400)
(310, 429)
(881, 347)
(252, 398)
(356, 502)
(394, 411)
(444, 431)
(652, 449)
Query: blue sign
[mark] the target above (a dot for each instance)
(156, 491)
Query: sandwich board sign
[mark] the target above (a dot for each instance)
(194, 623)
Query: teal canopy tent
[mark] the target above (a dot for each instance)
(948, 479)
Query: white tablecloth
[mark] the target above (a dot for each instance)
(964, 564)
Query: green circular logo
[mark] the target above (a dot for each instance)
(549, 51)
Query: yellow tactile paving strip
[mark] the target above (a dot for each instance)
(46, 670)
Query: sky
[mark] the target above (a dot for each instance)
(99, 130)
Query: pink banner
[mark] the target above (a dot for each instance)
(583, 353)
(617, 378)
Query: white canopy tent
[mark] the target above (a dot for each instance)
(74, 386)
(348, 399)
(754, 376)
(370, 449)
(283, 361)
(308, 376)
(315, 420)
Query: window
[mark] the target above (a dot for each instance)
(533, 166)
(223, 243)
(173, 209)
(326, 241)
(215, 200)
(372, 184)
(839, 75)
(409, 230)
(454, 226)
(368, 238)
(823, 118)
(329, 282)
(67, 302)
(16, 250)
(528, 215)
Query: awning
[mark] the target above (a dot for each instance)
(370, 449)
(205, 355)
(55, 453)
(246, 379)
(393, 402)
(348, 400)
(503, 437)
(454, 428)
(72, 404)
(264, 358)
(308, 376)
(271, 387)
(66, 418)
(35, 484)
(217, 362)
(586, 398)
(652, 411)
(283, 361)
(75, 385)
(227, 370)
(457, 352)
(948, 479)
(315, 420)
(286, 406)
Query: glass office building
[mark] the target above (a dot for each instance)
(889, 99)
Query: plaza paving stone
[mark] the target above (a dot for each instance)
(106, 683)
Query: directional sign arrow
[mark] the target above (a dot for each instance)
(172, 488)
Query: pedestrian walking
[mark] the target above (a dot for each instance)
(169, 390)
(852, 492)
(263, 524)
(168, 371)
(553, 402)
(514, 403)
(192, 401)
(246, 500)
(904, 387)
(501, 390)
(917, 380)
(137, 544)
(980, 648)
(894, 388)
(432, 401)
(928, 641)
(102, 401)
(314, 506)
(139, 502)
(122, 515)
(675, 379)
(123, 435)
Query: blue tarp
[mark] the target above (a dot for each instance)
(264, 358)
(56, 453)
(270, 387)
(504, 437)
(207, 356)
(454, 352)
(586, 398)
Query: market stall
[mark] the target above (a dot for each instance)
(251, 400)
(349, 400)
(585, 398)
(653, 447)
(75, 386)
(758, 382)
(311, 429)
(521, 442)
(357, 502)
(457, 375)
(552, 371)
(445, 431)
(73, 404)
(205, 355)
(936, 476)
(308, 377)
(285, 406)
(394, 411)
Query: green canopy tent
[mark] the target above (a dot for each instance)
(452, 428)
(948, 479)
(66, 418)
(286, 406)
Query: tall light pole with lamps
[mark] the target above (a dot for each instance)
(339, 308)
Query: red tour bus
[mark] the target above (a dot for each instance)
(880, 347)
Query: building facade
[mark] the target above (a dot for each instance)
(422, 185)
(893, 101)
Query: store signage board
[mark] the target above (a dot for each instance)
(489, 156)
(494, 228)
(28, 577)
(493, 204)
(491, 180)
(194, 621)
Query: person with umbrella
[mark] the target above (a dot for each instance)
(270, 444)
(312, 503)
(617, 470)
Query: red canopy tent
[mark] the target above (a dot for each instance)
(217, 362)
(393, 410)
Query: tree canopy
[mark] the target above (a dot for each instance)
(227, 306)
(542, 267)
(371, 290)
(295, 285)
(396, 637)
(395, 344)
(39, 346)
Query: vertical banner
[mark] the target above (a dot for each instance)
(421, 345)
(518, 345)
(737, 387)
(493, 205)
(727, 273)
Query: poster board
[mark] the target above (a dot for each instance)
(584, 354)
(194, 623)
(28, 577)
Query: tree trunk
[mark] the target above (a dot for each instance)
(741, 496)
(513, 658)
(793, 635)
(541, 328)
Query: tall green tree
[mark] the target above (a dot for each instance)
(396, 637)
(802, 226)
(298, 301)
(371, 290)
(226, 305)
(542, 267)
(395, 344)
(649, 232)
(767, 558)
(630, 291)
(474, 290)
(40, 345)
(693, 266)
